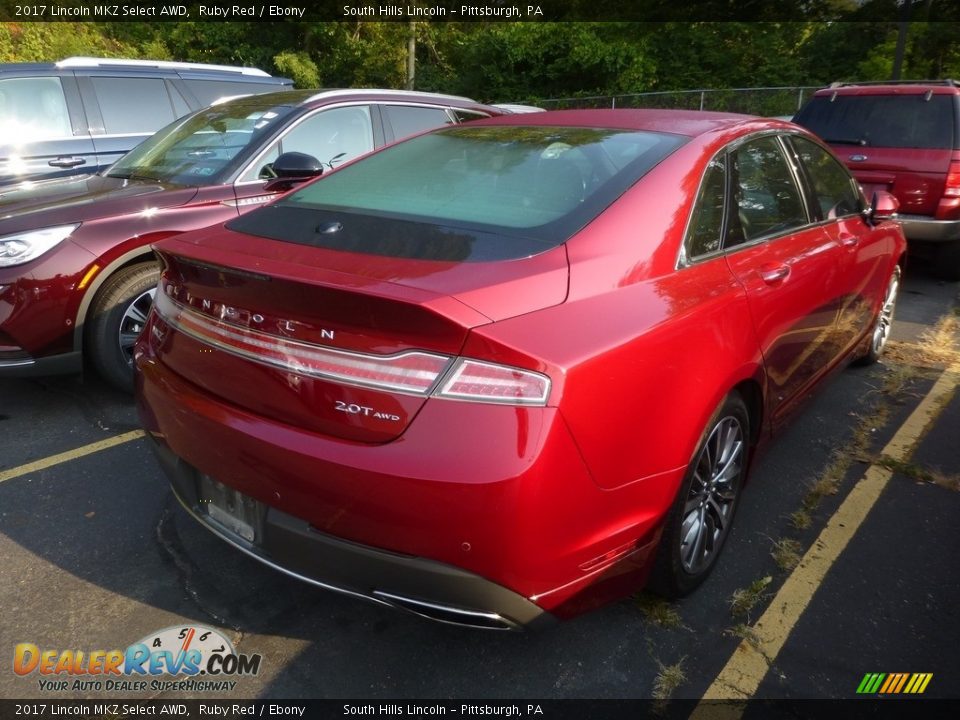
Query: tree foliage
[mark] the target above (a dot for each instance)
(536, 60)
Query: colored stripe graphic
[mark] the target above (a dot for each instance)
(894, 683)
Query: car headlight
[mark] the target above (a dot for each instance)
(26, 246)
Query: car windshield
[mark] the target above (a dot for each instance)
(199, 150)
(486, 192)
(891, 121)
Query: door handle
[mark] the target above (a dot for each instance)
(773, 273)
(849, 241)
(67, 162)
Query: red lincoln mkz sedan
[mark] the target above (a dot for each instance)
(501, 372)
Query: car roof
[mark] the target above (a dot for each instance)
(690, 123)
(307, 98)
(78, 63)
(904, 87)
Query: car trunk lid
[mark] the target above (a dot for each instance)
(341, 343)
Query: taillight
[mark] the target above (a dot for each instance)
(409, 372)
(414, 372)
(486, 382)
(952, 188)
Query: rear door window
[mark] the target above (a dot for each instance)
(766, 199)
(133, 105)
(706, 222)
(407, 120)
(832, 185)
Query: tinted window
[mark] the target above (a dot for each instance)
(208, 91)
(481, 192)
(133, 105)
(895, 121)
(407, 121)
(706, 223)
(765, 194)
(33, 109)
(832, 184)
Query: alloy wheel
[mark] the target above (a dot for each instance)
(711, 500)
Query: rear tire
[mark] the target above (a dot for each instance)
(699, 522)
(884, 322)
(117, 316)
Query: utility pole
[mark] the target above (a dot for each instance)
(904, 25)
(412, 55)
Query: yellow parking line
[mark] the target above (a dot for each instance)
(63, 457)
(746, 668)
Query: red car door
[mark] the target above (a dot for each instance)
(839, 205)
(791, 269)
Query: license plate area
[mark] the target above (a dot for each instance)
(231, 510)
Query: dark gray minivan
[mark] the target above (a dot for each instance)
(81, 114)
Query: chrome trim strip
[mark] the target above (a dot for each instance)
(378, 597)
(401, 602)
(405, 93)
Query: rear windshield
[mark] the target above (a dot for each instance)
(467, 193)
(892, 121)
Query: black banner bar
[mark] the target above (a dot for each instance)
(110, 708)
(455, 11)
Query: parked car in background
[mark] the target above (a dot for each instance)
(500, 372)
(904, 138)
(76, 270)
(81, 114)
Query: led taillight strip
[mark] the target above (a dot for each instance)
(412, 372)
(409, 372)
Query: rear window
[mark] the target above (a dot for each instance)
(892, 121)
(489, 192)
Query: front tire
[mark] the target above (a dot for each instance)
(116, 318)
(699, 522)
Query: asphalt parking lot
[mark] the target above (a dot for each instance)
(842, 562)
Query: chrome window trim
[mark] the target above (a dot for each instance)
(413, 95)
(683, 261)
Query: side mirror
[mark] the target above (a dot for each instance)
(292, 168)
(297, 165)
(883, 206)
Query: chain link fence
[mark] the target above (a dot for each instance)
(767, 101)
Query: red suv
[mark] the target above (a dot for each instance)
(77, 274)
(905, 138)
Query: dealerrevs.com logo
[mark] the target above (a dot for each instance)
(203, 654)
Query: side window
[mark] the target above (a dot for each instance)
(706, 221)
(766, 199)
(463, 116)
(409, 120)
(133, 105)
(33, 109)
(208, 91)
(331, 136)
(832, 184)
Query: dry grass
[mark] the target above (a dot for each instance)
(668, 679)
(745, 599)
(786, 553)
(800, 519)
(744, 632)
(658, 611)
(920, 473)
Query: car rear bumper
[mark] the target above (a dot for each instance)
(921, 227)
(424, 587)
(435, 517)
